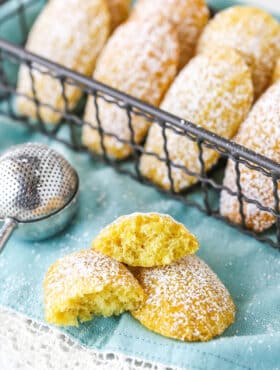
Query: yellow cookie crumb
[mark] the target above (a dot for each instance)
(213, 91)
(184, 301)
(85, 284)
(188, 16)
(254, 33)
(139, 59)
(145, 239)
(71, 33)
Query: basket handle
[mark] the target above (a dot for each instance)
(6, 231)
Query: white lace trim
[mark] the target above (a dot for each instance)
(28, 345)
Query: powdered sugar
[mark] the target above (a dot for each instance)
(213, 91)
(261, 133)
(252, 32)
(136, 53)
(74, 41)
(140, 59)
(188, 16)
(185, 299)
(80, 273)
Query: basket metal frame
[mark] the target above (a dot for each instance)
(10, 53)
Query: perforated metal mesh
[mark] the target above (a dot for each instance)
(35, 182)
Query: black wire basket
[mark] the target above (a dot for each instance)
(205, 195)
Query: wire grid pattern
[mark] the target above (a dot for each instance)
(71, 121)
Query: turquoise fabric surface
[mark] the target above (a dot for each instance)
(249, 269)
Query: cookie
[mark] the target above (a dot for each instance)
(276, 73)
(119, 11)
(139, 59)
(213, 91)
(86, 284)
(145, 239)
(184, 301)
(74, 41)
(260, 133)
(188, 16)
(254, 33)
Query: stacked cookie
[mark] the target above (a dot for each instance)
(142, 54)
(75, 41)
(260, 132)
(141, 59)
(255, 35)
(142, 263)
(238, 57)
(236, 61)
(214, 91)
(188, 17)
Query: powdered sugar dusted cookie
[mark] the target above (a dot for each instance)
(85, 284)
(71, 33)
(188, 16)
(185, 301)
(139, 59)
(254, 33)
(213, 91)
(260, 133)
(145, 239)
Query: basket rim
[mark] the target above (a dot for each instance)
(228, 146)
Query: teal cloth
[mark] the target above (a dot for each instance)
(249, 269)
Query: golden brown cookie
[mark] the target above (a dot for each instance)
(254, 33)
(86, 284)
(260, 133)
(74, 41)
(276, 73)
(119, 11)
(139, 59)
(188, 16)
(145, 239)
(185, 301)
(213, 91)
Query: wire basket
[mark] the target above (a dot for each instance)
(205, 195)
